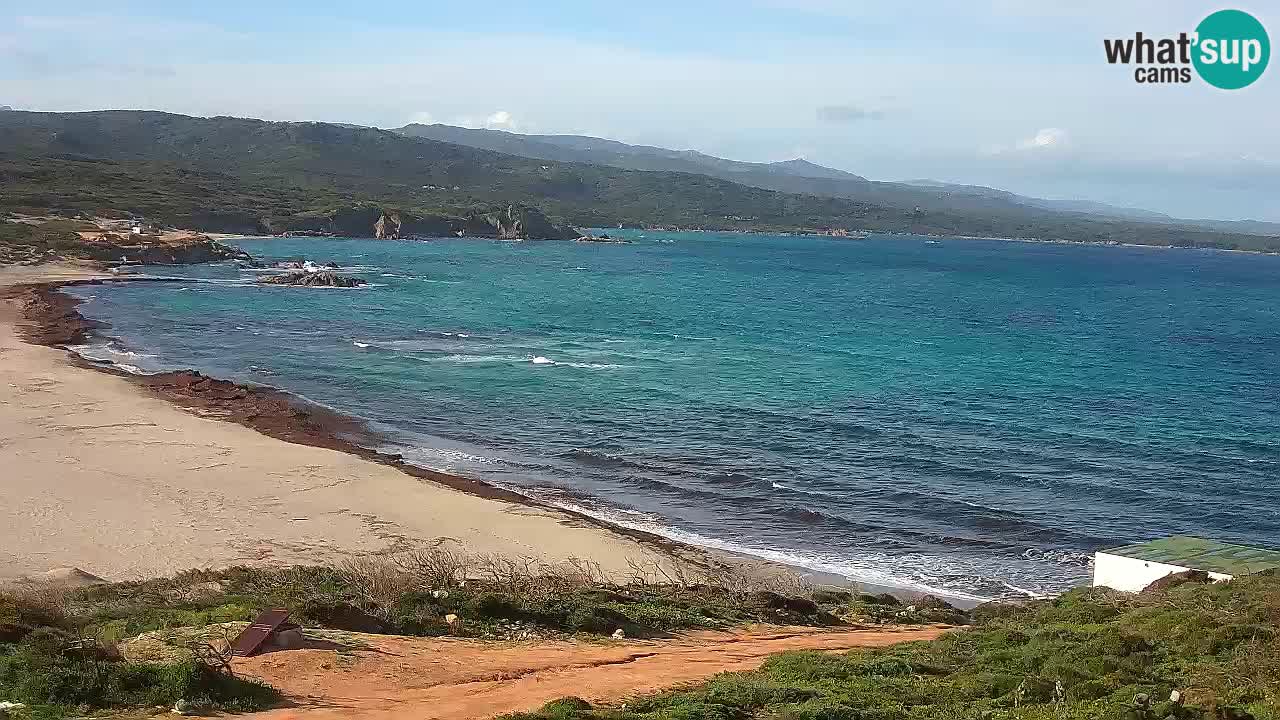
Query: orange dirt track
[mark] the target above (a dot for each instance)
(421, 679)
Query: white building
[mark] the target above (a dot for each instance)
(1133, 567)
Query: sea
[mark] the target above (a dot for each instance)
(968, 417)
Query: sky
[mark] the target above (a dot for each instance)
(1004, 93)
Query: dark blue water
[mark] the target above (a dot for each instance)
(963, 415)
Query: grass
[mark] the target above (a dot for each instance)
(20, 242)
(64, 651)
(413, 594)
(1089, 654)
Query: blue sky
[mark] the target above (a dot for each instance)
(1008, 93)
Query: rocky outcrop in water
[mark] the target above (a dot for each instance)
(312, 279)
(387, 227)
(516, 222)
(198, 249)
(602, 238)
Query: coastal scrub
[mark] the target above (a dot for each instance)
(1190, 651)
(155, 642)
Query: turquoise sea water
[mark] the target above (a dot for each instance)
(971, 416)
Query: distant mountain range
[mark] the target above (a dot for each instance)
(238, 174)
(598, 151)
(799, 176)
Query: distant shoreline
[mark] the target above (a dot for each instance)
(795, 233)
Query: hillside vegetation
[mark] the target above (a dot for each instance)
(1189, 651)
(138, 644)
(249, 175)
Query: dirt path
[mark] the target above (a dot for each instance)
(421, 679)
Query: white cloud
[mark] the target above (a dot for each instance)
(422, 117)
(500, 120)
(1047, 137)
(497, 120)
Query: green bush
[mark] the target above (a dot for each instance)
(42, 671)
(566, 707)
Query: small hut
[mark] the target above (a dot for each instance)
(1133, 567)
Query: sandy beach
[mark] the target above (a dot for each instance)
(103, 477)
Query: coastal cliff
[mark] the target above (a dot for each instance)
(513, 222)
(516, 222)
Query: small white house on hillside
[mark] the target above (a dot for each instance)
(1133, 567)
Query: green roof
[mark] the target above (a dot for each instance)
(1200, 554)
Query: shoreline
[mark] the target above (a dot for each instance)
(51, 320)
(798, 233)
(130, 477)
(55, 322)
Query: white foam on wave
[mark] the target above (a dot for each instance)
(451, 455)
(868, 569)
(359, 344)
(470, 359)
(109, 353)
(1059, 557)
(1024, 591)
(541, 360)
(234, 282)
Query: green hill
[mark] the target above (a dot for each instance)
(237, 174)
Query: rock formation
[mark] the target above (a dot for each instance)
(387, 227)
(312, 279)
(514, 222)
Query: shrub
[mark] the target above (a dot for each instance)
(566, 707)
(44, 671)
(1086, 655)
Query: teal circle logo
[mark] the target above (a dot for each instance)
(1232, 49)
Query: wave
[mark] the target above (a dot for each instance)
(467, 359)
(463, 359)
(112, 353)
(1060, 557)
(543, 360)
(873, 568)
(802, 491)
(601, 459)
(420, 454)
